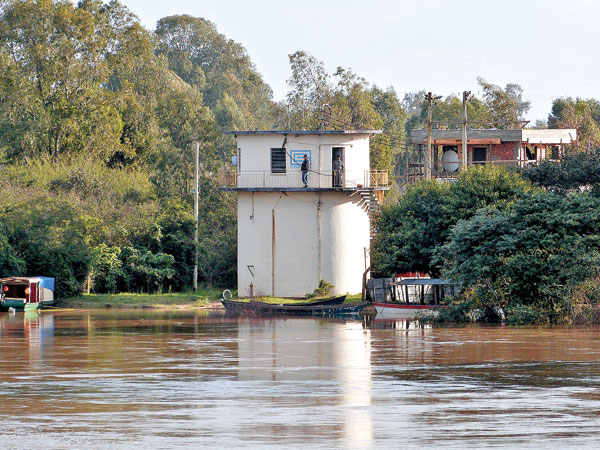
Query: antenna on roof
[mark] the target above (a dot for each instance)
(325, 105)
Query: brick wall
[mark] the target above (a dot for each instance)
(503, 152)
(500, 152)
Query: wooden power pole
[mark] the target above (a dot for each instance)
(196, 185)
(465, 97)
(427, 159)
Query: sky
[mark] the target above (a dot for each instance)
(549, 47)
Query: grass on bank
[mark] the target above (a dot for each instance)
(188, 299)
(356, 298)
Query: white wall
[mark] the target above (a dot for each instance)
(550, 136)
(309, 245)
(255, 159)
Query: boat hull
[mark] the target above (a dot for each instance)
(333, 307)
(19, 305)
(26, 293)
(348, 310)
(395, 310)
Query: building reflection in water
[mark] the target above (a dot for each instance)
(36, 329)
(306, 351)
(353, 345)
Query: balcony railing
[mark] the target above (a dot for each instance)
(441, 170)
(378, 178)
(293, 179)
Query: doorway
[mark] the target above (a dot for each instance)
(338, 177)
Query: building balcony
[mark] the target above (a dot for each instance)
(291, 180)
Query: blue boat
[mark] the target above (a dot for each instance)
(26, 293)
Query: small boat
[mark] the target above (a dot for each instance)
(26, 293)
(343, 310)
(397, 310)
(412, 295)
(325, 307)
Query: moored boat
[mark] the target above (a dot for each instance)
(412, 295)
(26, 293)
(340, 310)
(329, 306)
(397, 310)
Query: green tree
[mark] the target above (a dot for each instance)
(54, 67)
(535, 253)
(504, 104)
(575, 172)
(309, 89)
(106, 269)
(218, 67)
(146, 271)
(583, 115)
(411, 233)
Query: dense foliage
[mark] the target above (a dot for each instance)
(575, 172)
(411, 232)
(97, 121)
(533, 253)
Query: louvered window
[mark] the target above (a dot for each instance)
(278, 160)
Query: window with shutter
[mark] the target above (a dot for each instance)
(278, 160)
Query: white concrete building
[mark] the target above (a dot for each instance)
(291, 237)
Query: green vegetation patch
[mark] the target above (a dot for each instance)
(125, 300)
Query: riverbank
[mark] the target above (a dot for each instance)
(174, 300)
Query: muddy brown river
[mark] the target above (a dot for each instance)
(156, 379)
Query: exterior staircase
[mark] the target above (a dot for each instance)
(373, 209)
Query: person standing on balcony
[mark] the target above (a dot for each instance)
(338, 172)
(305, 168)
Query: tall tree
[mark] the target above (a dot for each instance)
(54, 58)
(219, 68)
(581, 114)
(504, 105)
(309, 89)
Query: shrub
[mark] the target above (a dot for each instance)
(462, 312)
(524, 315)
(322, 291)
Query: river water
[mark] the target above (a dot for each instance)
(156, 379)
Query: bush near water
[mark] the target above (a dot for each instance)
(525, 245)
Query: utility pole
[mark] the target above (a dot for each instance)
(427, 159)
(465, 97)
(196, 184)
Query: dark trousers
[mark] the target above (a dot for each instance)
(338, 177)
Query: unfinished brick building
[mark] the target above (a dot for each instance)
(503, 147)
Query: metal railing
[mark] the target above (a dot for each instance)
(293, 179)
(378, 178)
(439, 171)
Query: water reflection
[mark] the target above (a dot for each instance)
(179, 379)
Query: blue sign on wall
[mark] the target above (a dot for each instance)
(296, 158)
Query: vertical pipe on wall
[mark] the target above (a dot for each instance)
(273, 254)
(320, 165)
(318, 238)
